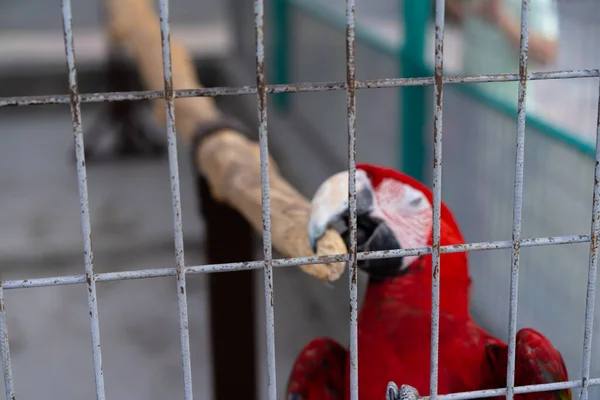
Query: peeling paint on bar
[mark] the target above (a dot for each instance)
(352, 215)
(479, 394)
(86, 227)
(291, 88)
(437, 195)
(259, 37)
(180, 269)
(517, 203)
(290, 262)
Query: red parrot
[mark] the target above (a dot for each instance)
(395, 211)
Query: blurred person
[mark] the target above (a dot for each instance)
(491, 33)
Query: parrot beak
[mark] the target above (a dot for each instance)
(330, 206)
(330, 203)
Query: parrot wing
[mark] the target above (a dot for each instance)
(318, 372)
(537, 362)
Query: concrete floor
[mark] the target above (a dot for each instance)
(50, 338)
(132, 229)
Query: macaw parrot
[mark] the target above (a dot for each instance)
(395, 211)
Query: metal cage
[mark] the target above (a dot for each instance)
(350, 85)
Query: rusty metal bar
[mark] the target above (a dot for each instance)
(437, 194)
(176, 199)
(352, 216)
(266, 196)
(479, 394)
(291, 88)
(9, 386)
(289, 262)
(593, 270)
(86, 227)
(517, 202)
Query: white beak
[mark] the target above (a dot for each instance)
(330, 202)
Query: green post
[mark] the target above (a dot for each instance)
(414, 106)
(281, 51)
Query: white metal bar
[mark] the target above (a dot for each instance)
(352, 216)
(517, 202)
(176, 200)
(292, 88)
(437, 194)
(86, 227)
(266, 197)
(289, 262)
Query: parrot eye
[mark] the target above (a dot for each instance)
(416, 202)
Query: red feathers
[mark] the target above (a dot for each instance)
(536, 361)
(318, 372)
(377, 174)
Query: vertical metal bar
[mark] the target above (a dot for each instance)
(86, 227)
(437, 194)
(266, 194)
(5, 349)
(176, 199)
(517, 202)
(352, 217)
(592, 273)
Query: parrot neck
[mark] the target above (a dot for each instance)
(413, 289)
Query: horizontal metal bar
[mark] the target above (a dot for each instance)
(545, 387)
(291, 88)
(289, 262)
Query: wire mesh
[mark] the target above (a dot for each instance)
(350, 85)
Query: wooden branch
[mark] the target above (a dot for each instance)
(229, 161)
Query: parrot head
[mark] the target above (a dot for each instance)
(394, 211)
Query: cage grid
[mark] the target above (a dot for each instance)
(74, 98)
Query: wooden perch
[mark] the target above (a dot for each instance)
(228, 160)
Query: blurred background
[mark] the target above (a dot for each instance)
(131, 203)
